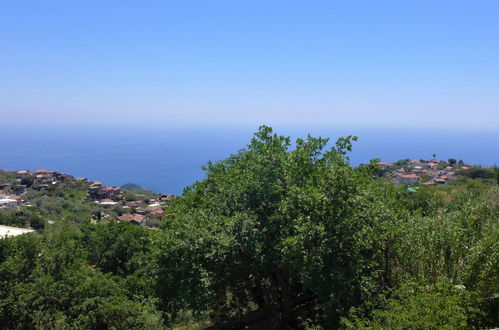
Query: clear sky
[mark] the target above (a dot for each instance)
(364, 63)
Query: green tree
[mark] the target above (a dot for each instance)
(27, 180)
(285, 231)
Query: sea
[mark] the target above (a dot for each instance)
(167, 158)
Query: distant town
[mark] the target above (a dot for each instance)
(23, 189)
(426, 172)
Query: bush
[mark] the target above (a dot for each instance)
(439, 306)
(476, 172)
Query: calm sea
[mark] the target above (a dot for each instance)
(166, 159)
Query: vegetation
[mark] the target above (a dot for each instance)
(138, 195)
(47, 281)
(135, 187)
(477, 172)
(7, 177)
(27, 218)
(67, 201)
(280, 235)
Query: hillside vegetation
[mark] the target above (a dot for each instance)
(280, 235)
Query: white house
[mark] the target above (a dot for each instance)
(7, 203)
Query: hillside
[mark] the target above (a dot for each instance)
(276, 236)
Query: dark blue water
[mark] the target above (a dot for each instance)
(166, 159)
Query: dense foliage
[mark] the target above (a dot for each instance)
(478, 172)
(279, 235)
(51, 281)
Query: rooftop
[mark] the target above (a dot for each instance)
(409, 176)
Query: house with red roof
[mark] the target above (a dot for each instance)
(408, 178)
(22, 173)
(136, 219)
(44, 176)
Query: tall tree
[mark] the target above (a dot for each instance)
(278, 229)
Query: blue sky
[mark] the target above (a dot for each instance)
(363, 63)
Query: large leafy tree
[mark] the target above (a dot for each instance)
(276, 231)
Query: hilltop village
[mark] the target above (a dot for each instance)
(426, 172)
(25, 190)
